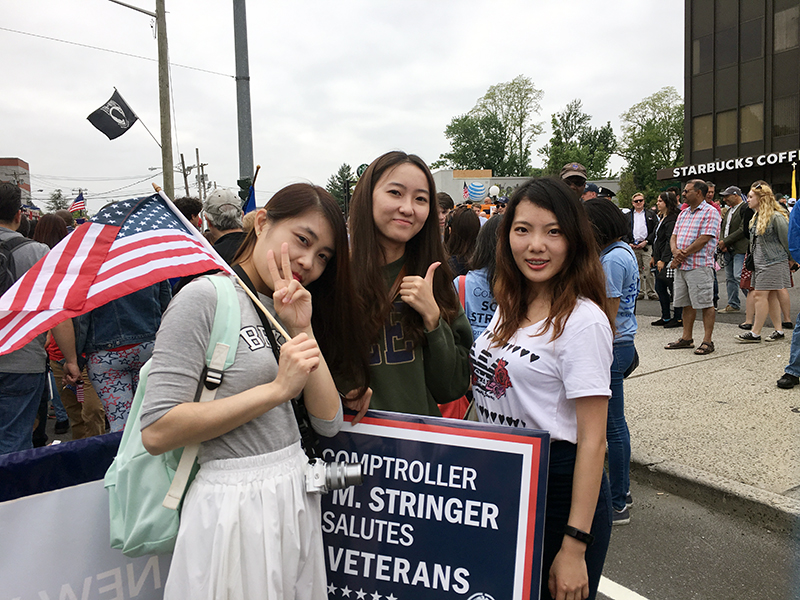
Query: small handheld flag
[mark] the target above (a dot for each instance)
(78, 204)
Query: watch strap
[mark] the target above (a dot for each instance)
(581, 536)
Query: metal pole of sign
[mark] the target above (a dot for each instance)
(243, 111)
(163, 101)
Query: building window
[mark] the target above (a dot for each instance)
(701, 55)
(751, 39)
(751, 124)
(786, 116)
(787, 28)
(702, 128)
(727, 49)
(726, 128)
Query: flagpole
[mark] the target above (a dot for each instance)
(138, 117)
(230, 271)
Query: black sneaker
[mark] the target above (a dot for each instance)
(659, 323)
(788, 325)
(788, 381)
(628, 500)
(746, 326)
(775, 336)
(748, 338)
(673, 323)
(62, 427)
(621, 517)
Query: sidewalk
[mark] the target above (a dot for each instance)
(717, 428)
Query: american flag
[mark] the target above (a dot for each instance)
(78, 203)
(466, 192)
(129, 245)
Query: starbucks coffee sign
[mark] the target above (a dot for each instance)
(733, 164)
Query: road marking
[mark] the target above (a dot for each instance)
(617, 592)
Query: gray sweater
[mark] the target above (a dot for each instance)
(178, 360)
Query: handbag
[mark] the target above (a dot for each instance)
(145, 491)
(745, 281)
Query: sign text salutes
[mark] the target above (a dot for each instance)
(390, 515)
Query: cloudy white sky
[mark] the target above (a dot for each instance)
(331, 82)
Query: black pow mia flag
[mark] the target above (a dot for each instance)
(114, 118)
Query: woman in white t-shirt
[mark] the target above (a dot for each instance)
(544, 362)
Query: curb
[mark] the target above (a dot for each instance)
(774, 511)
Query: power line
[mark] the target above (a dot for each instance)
(52, 39)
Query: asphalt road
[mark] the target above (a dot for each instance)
(677, 549)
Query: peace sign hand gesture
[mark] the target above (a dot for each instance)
(417, 292)
(292, 300)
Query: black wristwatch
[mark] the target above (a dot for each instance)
(581, 536)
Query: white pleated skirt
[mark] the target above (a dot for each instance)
(249, 530)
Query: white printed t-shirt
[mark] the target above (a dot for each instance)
(533, 382)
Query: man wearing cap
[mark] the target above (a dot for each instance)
(642, 233)
(590, 192)
(574, 175)
(223, 210)
(733, 244)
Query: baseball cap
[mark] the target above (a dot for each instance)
(571, 169)
(220, 199)
(591, 187)
(604, 192)
(730, 191)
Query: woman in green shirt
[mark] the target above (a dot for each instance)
(421, 336)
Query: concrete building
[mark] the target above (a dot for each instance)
(742, 93)
(17, 171)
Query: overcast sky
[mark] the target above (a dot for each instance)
(331, 82)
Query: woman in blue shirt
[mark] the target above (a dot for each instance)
(622, 288)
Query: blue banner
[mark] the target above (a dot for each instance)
(448, 509)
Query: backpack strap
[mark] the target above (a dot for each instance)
(462, 290)
(219, 356)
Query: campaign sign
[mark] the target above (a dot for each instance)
(448, 509)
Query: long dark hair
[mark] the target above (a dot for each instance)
(421, 251)
(333, 297)
(50, 230)
(608, 222)
(485, 254)
(461, 233)
(581, 275)
(670, 200)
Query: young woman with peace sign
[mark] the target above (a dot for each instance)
(421, 337)
(248, 527)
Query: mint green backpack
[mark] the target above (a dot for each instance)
(145, 491)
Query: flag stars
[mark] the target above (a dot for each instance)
(331, 589)
(376, 596)
(391, 597)
(361, 594)
(346, 592)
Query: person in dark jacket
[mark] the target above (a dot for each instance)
(643, 222)
(733, 244)
(668, 211)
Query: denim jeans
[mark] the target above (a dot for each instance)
(793, 368)
(733, 275)
(20, 394)
(559, 498)
(58, 406)
(617, 435)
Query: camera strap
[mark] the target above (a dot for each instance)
(308, 437)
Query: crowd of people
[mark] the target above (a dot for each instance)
(445, 297)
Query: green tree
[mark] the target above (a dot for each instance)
(337, 181)
(476, 142)
(57, 201)
(502, 118)
(652, 139)
(575, 140)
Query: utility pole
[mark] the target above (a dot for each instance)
(163, 101)
(185, 174)
(201, 177)
(243, 111)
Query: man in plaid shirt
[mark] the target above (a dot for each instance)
(693, 242)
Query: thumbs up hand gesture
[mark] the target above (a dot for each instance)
(417, 292)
